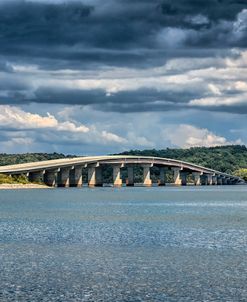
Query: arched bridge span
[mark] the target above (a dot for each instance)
(68, 171)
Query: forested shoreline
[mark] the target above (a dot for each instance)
(230, 159)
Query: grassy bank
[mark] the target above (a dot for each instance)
(18, 182)
(20, 179)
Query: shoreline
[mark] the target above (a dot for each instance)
(22, 186)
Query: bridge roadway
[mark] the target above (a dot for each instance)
(67, 172)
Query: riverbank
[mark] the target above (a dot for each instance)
(22, 186)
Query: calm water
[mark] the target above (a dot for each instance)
(129, 244)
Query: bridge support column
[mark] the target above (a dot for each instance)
(197, 178)
(36, 176)
(224, 181)
(162, 178)
(210, 179)
(228, 180)
(76, 177)
(233, 181)
(176, 176)
(50, 177)
(95, 176)
(63, 177)
(130, 179)
(147, 181)
(219, 180)
(214, 180)
(117, 181)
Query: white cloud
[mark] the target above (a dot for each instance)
(215, 90)
(108, 136)
(50, 130)
(220, 101)
(187, 136)
(17, 118)
(71, 127)
(240, 85)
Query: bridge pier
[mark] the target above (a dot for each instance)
(63, 178)
(228, 180)
(219, 180)
(147, 181)
(176, 176)
(214, 180)
(50, 177)
(95, 176)
(130, 179)
(117, 181)
(197, 178)
(37, 176)
(224, 181)
(209, 179)
(76, 177)
(162, 178)
(233, 181)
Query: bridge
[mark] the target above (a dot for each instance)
(67, 172)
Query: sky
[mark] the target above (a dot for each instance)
(95, 77)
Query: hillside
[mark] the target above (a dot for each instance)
(224, 158)
(11, 159)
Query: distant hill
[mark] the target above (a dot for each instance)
(11, 159)
(223, 158)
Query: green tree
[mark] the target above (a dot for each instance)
(241, 173)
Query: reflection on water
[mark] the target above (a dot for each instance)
(128, 244)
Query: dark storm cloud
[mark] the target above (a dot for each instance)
(111, 32)
(237, 108)
(93, 35)
(125, 101)
(215, 10)
(140, 100)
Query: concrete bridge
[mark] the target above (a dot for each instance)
(68, 172)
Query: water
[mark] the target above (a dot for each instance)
(128, 244)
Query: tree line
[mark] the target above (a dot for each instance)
(230, 159)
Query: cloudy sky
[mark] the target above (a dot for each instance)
(95, 77)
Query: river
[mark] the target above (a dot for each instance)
(127, 244)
